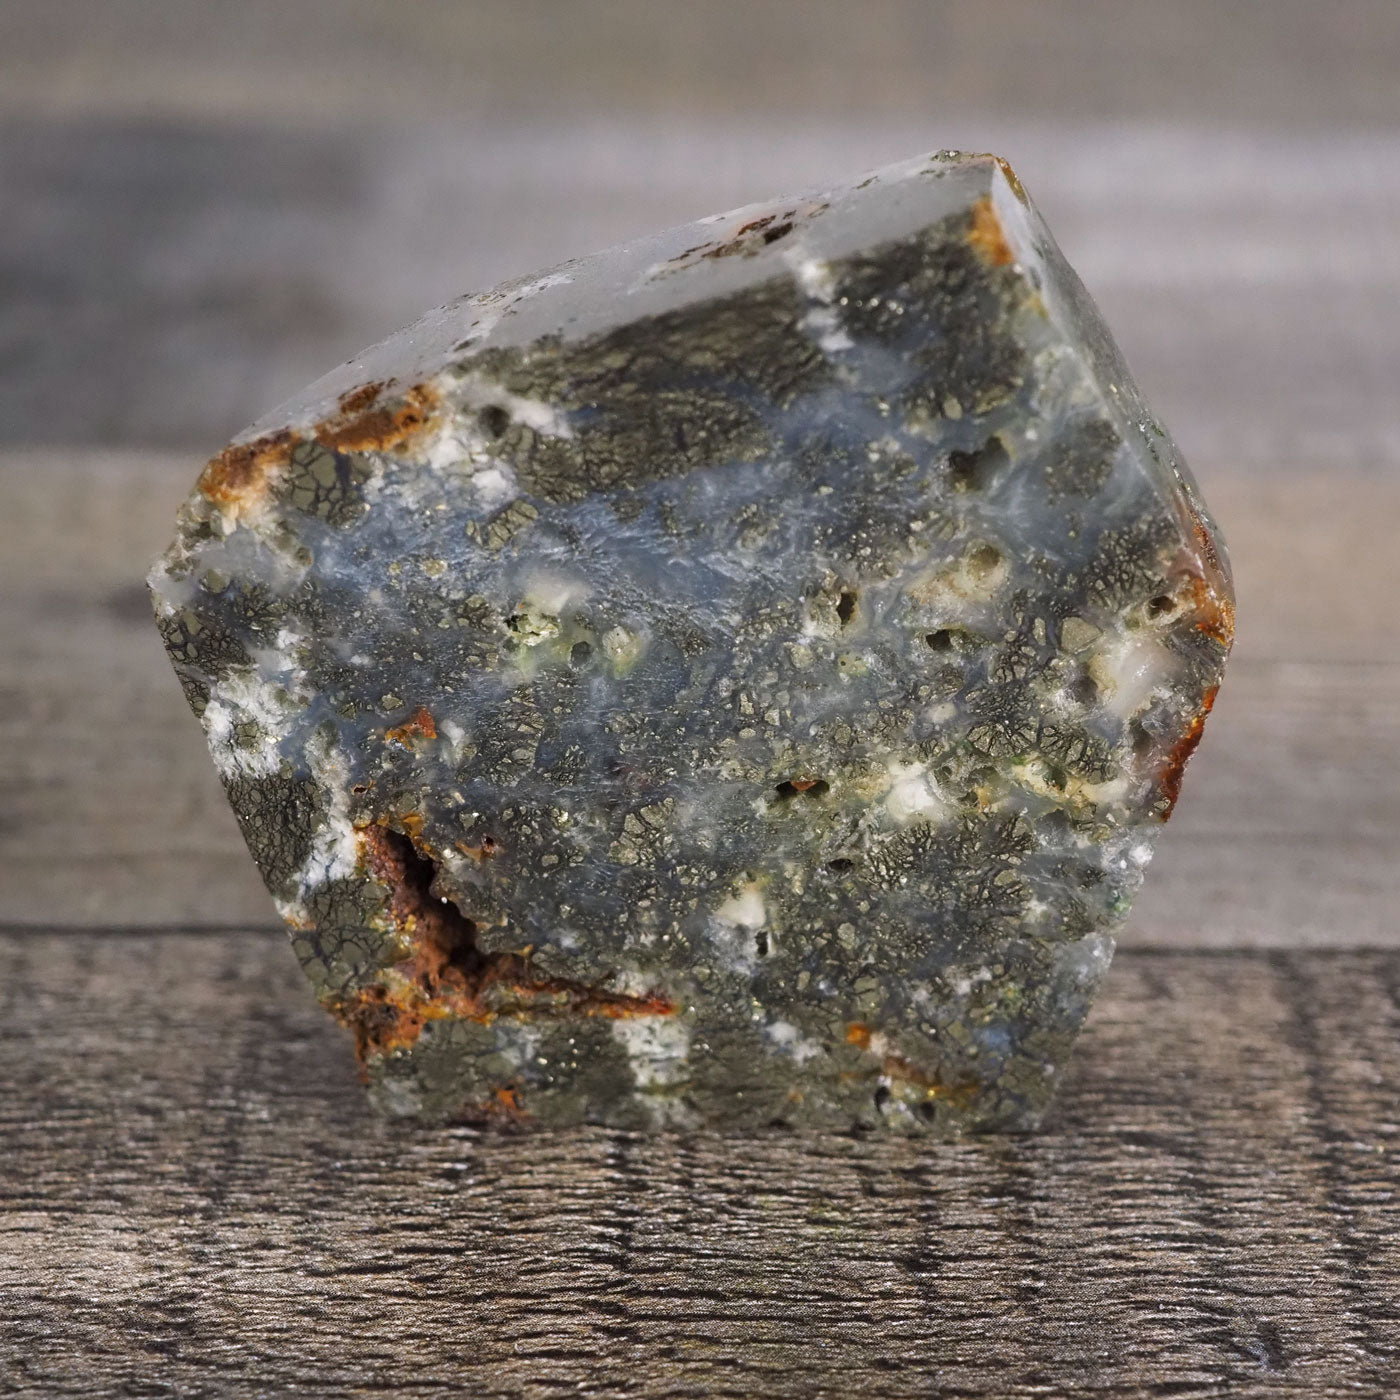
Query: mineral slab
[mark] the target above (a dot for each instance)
(734, 679)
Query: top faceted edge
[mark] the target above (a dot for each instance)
(389, 397)
(391, 394)
(695, 262)
(1011, 220)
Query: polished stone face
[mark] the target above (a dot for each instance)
(735, 679)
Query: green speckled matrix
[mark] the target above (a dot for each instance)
(734, 679)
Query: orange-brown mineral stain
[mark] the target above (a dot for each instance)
(1169, 778)
(444, 973)
(1012, 179)
(986, 235)
(1211, 610)
(1213, 591)
(487, 849)
(1214, 612)
(898, 1069)
(354, 401)
(379, 427)
(419, 725)
(505, 1103)
(959, 1095)
(239, 474)
(242, 473)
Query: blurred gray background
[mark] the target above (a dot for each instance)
(208, 202)
(204, 204)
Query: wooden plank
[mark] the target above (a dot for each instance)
(113, 815)
(195, 1200)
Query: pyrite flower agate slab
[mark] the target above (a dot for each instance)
(733, 679)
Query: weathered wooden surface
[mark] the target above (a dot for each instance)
(206, 205)
(194, 1201)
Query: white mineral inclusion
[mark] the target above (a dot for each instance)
(1128, 666)
(553, 594)
(823, 320)
(913, 795)
(495, 486)
(734, 927)
(335, 851)
(789, 1039)
(658, 1052)
(247, 697)
(744, 909)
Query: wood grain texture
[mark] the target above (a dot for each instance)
(194, 1202)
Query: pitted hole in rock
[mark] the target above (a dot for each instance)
(1145, 743)
(579, 653)
(445, 950)
(801, 787)
(1084, 689)
(446, 973)
(948, 639)
(973, 471)
(840, 864)
(494, 420)
(846, 606)
(983, 562)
